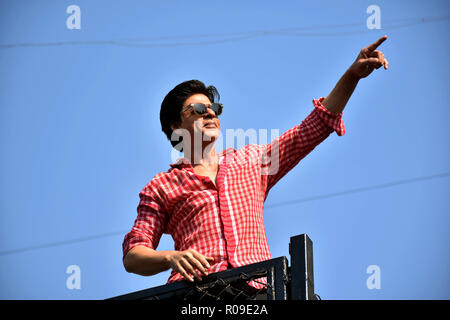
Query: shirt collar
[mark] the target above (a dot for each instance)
(181, 162)
(184, 162)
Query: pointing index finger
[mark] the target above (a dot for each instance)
(375, 45)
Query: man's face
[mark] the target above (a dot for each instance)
(206, 127)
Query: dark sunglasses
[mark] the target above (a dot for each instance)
(201, 108)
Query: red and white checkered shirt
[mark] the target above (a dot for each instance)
(225, 221)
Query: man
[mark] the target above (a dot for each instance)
(212, 203)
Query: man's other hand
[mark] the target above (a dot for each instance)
(189, 263)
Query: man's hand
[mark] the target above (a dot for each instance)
(368, 59)
(188, 263)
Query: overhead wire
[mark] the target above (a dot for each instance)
(356, 190)
(173, 41)
(269, 206)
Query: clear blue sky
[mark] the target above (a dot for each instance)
(80, 135)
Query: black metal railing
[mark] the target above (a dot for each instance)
(274, 279)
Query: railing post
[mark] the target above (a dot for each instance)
(302, 275)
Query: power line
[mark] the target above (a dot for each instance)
(61, 243)
(387, 26)
(137, 42)
(270, 206)
(356, 190)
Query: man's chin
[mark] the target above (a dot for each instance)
(211, 134)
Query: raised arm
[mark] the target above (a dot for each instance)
(368, 59)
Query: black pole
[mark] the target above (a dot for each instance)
(302, 275)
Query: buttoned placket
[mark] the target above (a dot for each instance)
(223, 210)
(226, 215)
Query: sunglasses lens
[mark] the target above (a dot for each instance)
(200, 108)
(217, 108)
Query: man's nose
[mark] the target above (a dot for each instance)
(209, 113)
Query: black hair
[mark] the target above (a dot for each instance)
(173, 102)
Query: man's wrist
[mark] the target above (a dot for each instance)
(351, 76)
(166, 259)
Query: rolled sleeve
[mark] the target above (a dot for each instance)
(331, 119)
(149, 224)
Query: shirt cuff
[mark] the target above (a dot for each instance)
(333, 120)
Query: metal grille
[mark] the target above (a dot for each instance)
(277, 280)
(229, 290)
